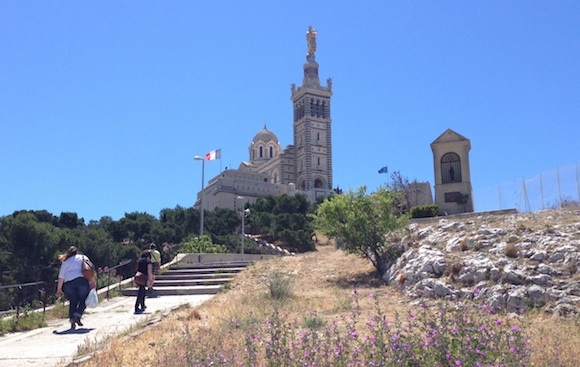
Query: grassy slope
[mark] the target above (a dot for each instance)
(323, 282)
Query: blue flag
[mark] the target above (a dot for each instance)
(385, 169)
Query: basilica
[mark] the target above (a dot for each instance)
(302, 167)
(306, 165)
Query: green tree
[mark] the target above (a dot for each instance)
(283, 218)
(222, 221)
(364, 224)
(32, 247)
(183, 222)
(203, 245)
(137, 227)
(69, 220)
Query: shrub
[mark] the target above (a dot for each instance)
(280, 285)
(424, 211)
(511, 250)
(27, 320)
(366, 225)
(313, 321)
(445, 335)
(203, 245)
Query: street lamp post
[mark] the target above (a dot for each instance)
(243, 231)
(244, 211)
(198, 158)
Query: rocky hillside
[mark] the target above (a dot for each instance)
(508, 261)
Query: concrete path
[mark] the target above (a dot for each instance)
(57, 345)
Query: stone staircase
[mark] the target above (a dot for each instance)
(197, 274)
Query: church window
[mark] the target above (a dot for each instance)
(261, 152)
(271, 152)
(318, 136)
(318, 183)
(450, 168)
(319, 161)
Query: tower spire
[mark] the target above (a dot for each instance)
(311, 66)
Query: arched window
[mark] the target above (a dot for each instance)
(318, 183)
(261, 152)
(271, 152)
(450, 168)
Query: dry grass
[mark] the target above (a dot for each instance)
(323, 282)
(556, 341)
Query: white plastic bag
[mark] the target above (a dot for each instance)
(92, 300)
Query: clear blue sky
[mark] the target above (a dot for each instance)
(103, 104)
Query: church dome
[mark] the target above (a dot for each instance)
(265, 136)
(264, 147)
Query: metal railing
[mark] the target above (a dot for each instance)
(113, 273)
(22, 296)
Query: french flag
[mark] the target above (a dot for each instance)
(213, 155)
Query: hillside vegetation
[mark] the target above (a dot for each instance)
(328, 308)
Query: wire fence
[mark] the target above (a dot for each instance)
(547, 190)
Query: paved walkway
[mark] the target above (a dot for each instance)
(57, 345)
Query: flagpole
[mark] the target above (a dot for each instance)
(202, 159)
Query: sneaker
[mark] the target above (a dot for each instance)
(77, 319)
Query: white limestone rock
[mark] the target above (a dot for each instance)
(466, 259)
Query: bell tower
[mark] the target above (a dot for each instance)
(312, 127)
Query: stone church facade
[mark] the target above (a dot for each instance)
(302, 167)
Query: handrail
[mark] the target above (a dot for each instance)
(20, 287)
(114, 268)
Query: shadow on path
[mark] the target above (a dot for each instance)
(73, 331)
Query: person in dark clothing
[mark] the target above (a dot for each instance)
(143, 266)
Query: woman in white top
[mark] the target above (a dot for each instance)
(76, 288)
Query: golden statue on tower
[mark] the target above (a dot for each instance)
(311, 39)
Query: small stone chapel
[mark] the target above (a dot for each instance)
(453, 193)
